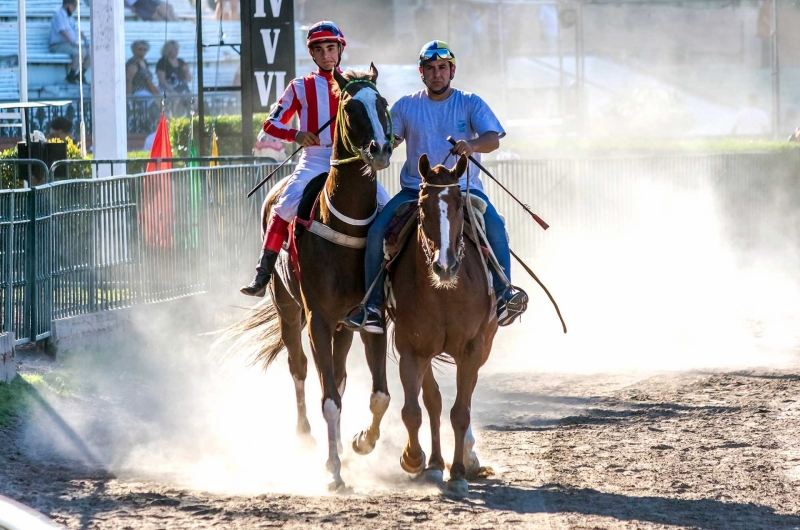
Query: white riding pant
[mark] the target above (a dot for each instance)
(313, 161)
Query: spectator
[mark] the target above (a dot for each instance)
(173, 76)
(64, 39)
(151, 10)
(60, 127)
(139, 78)
(751, 120)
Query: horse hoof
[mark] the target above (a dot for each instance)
(338, 486)
(413, 467)
(457, 487)
(432, 476)
(361, 445)
(480, 472)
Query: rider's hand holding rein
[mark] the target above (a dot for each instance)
(397, 141)
(485, 143)
(306, 139)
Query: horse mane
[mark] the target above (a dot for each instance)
(350, 75)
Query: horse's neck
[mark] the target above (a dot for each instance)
(352, 192)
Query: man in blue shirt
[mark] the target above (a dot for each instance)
(64, 38)
(425, 119)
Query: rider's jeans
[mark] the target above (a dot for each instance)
(495, 232)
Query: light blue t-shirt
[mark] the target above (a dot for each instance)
(425, 124)
(62, 21)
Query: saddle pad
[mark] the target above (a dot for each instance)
(401, 225)
(310, 194)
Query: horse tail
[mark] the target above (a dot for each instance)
(257, 335)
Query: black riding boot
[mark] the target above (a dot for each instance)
(264, 268)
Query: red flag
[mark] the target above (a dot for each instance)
(161, 147)
(155, 215)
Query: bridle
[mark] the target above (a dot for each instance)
(427, 245)
(349, 145)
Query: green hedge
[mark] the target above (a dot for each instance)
(229, 134)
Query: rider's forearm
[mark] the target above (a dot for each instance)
(485, 143)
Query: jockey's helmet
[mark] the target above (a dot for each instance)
(325, 31)
(436, 49)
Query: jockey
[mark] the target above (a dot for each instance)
(312, 98)
(425, 119)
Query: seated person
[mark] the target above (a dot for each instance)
(151, 10)
(64, 39)
(173, 78)
(59, 127)
(138, 77)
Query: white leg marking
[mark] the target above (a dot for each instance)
(369, 98)
(469, 440)
(471, 462)
(331, 414)
(444, 228)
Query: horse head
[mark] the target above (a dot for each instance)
(363, 122)
(441, 220)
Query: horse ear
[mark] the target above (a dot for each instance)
(424, 166)
(373, 73)
(340, 80)
(460, 166)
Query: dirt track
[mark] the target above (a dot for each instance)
(696, 450)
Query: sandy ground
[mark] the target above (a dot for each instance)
(681, 450)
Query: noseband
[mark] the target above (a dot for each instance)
(349, 145)
(427, 245)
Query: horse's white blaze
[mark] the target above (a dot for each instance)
(444, 228)
(369, 98)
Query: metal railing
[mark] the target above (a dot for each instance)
(103, 168)
(79, 246)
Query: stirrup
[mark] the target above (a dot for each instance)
(360, 307)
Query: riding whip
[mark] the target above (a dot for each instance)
(265, 179)
(525, 207)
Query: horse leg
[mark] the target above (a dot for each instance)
(342, 340)
(411, 371)
(321, 334)
(375, 350)
(432, 399)
(466, 379)
(471, 463)
(290, 315)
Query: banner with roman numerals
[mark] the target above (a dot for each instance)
(267, 52)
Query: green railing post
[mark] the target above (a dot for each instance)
(30, 266)
(8, 324)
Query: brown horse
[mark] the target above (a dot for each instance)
(330, 256)
(442, 305)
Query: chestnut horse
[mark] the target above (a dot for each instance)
(330, 257)
(442, 305)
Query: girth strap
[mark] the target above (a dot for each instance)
(338, 238)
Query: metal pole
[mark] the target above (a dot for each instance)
(776, 75)
(201, 114)
(23, 57)
(246, 76)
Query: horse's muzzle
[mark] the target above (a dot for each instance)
(445, 270)
(379, 155)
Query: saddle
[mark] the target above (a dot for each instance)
(405, 221)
